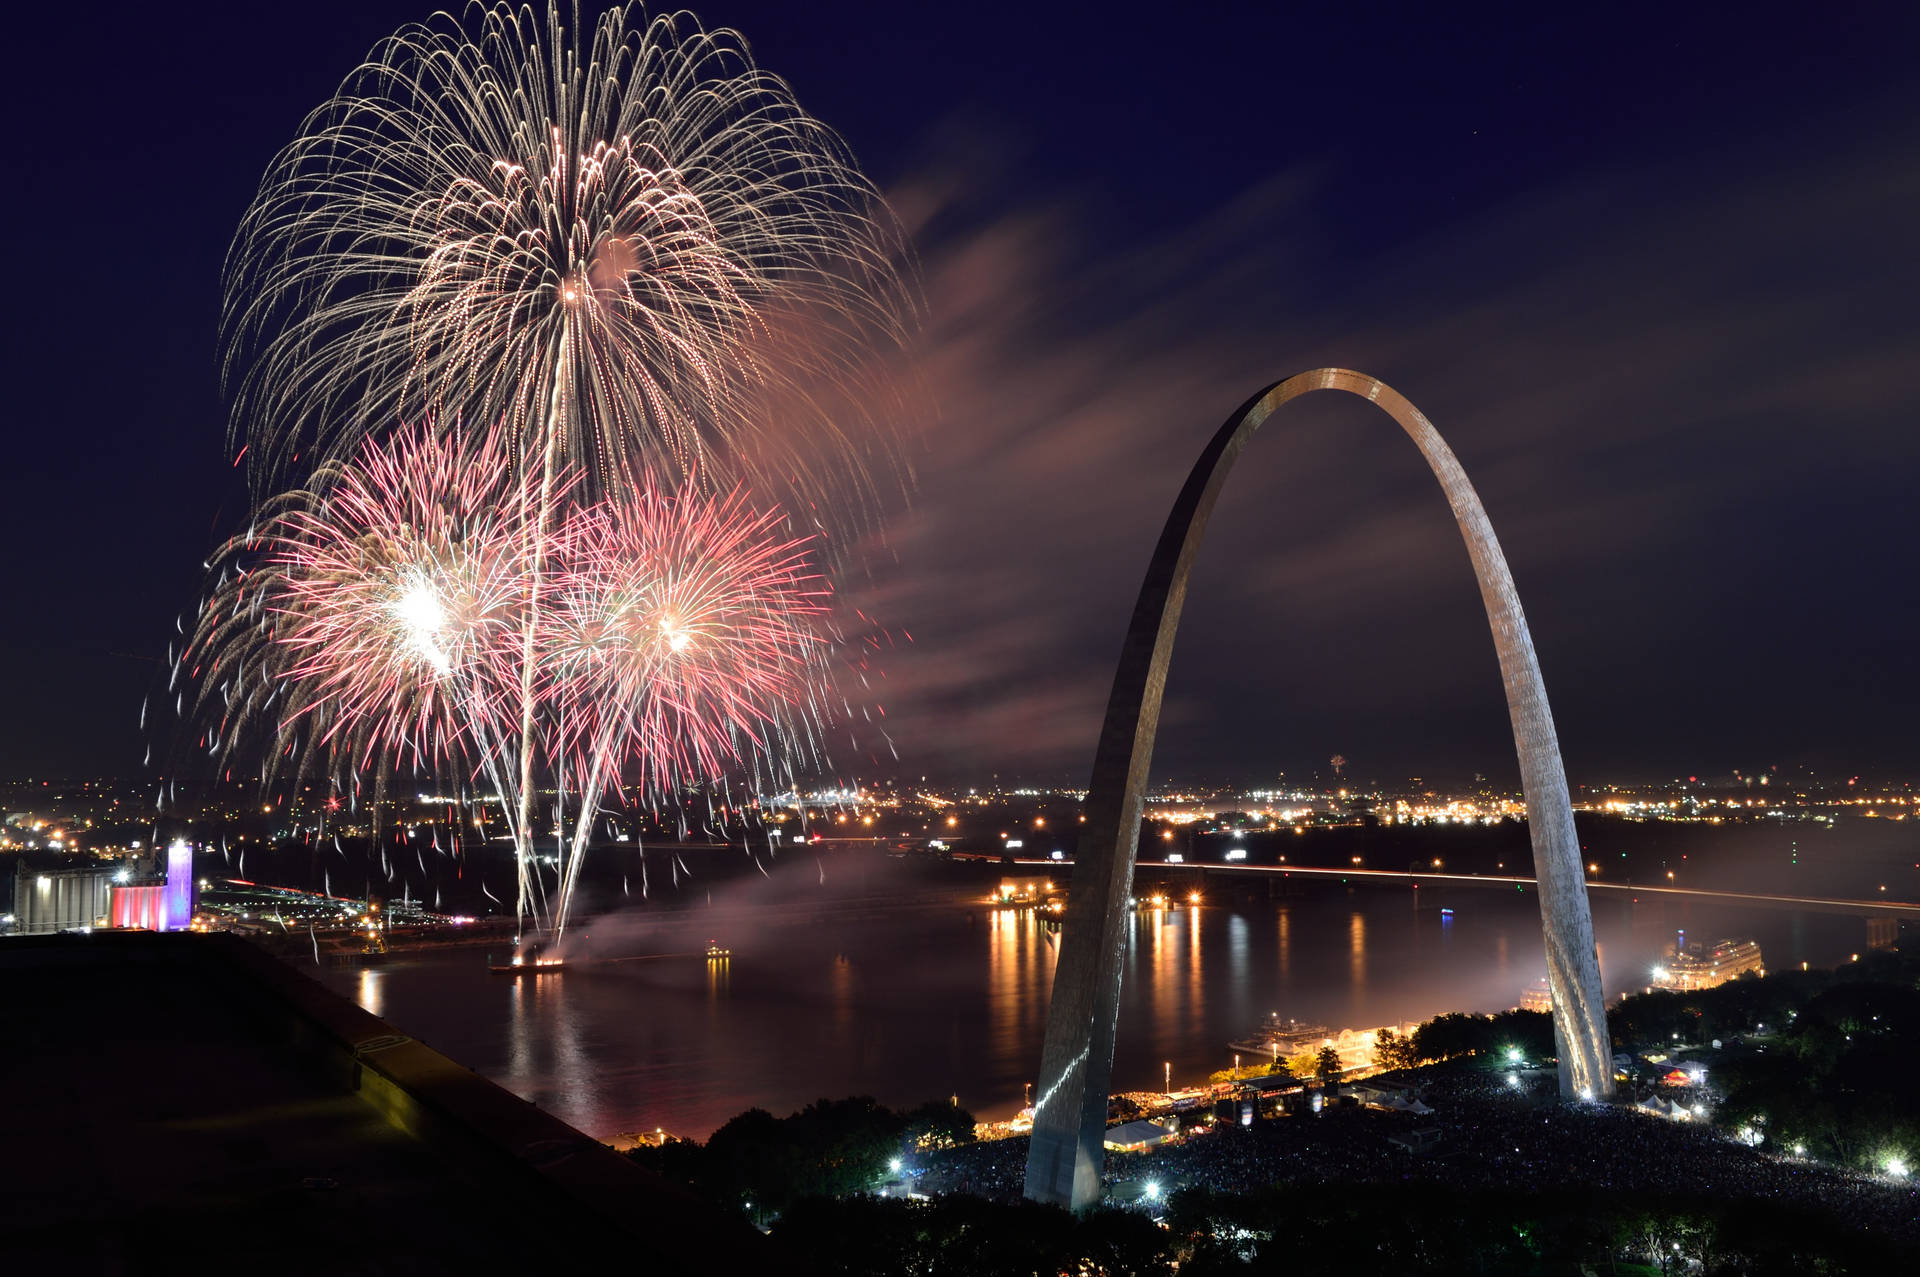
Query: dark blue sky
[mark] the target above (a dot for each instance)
(1651, 270)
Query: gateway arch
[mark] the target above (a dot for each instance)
(1070, 1109)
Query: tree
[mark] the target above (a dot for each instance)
(845, 1144)
(1531, 1032)
(1328, 1068)
(752, 1159)
(1273, 1068)
(1391, 1051)
(830, 1147)
(937, 1125)
(682, 1161)
(1453, 1034)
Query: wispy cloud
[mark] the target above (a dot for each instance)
(1642, 375)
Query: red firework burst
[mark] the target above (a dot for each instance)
(682, 635)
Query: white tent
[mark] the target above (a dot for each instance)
(1134, 1136)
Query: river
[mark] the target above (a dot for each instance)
(923, 994)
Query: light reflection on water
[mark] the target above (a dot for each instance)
(952, 1001)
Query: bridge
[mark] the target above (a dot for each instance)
(1817, 904)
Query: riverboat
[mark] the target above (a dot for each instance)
(1279, 1038)
(521, 967)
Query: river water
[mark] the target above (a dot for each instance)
(930, 995)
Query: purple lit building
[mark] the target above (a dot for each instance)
(163, 904)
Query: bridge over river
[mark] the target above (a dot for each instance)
(1870, 908)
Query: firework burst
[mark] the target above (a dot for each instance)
(682, 635)
(386, 622)
(680, 643)
(375, 620)
(398, 599)
(603, 244)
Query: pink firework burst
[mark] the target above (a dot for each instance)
(681, 636)
(399, 597)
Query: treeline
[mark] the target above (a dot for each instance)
(1360, 1229)
(1324, 1065)
(1646, 1021)
(1833, 1077)
(1450, 1036)
(1810, 1062)
(830, 1148)
(966, 1236)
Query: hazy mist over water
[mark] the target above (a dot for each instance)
(927, 995)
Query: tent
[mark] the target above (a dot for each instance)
(1133, 1137)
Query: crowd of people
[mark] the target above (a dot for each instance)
(1496, 1130)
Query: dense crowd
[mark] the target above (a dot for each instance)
(1493, 1134)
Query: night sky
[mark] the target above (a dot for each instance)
(1651, 272)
